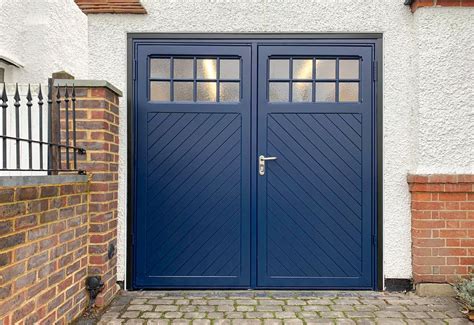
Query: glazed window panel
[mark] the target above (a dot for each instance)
(185, 79)
(314, 80)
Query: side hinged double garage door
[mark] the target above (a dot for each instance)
(254, 164)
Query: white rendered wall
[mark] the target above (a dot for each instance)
(445, 88)
(108, 60)
(44, 36)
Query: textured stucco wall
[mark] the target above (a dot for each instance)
(445, 65)
(108, 60)
(45, 37)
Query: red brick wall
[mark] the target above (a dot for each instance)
(442, 208)
(98, 132)
(443, 3)
(53, 236)
(43, 252)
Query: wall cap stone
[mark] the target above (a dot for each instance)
(41, 180)
(78, 83)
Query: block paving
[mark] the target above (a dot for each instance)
(280, 308)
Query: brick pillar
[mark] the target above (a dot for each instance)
(442, 209)
(97, 125)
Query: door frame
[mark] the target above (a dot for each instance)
(369, 39)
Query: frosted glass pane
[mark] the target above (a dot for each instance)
(349, 69)
(302, 69)
(302, 91)
(325, 69)
(183, 91)
(325, 92)
(206, 91)
(229, 91)
(160, 91)
(279, 92)
(160, 68)
(348, 91)
(206, 68)
(183, 68)
(229, 69)
(279, 69)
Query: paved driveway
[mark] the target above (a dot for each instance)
(280, 307)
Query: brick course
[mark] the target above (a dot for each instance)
(442, 208)
(442, 3)
(42, 259)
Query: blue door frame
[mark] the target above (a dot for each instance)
(255, 50)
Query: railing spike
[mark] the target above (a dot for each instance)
(66, 93)
(40, 94)
(17, 93)
(28, 95)
(73, 92)
(58, 94)
(50, 92)
(4, 94)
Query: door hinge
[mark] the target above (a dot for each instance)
(375, 68)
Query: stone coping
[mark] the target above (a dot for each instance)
(41, 180)
(78, 83)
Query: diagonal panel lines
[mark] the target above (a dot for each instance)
(193, 199)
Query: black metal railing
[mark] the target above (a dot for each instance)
(24, 147)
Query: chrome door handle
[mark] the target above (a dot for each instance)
(261, 163)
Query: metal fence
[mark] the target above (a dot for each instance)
(38, 134)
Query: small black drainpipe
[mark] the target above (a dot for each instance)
(94, 285)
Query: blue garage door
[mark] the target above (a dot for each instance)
(253, 166)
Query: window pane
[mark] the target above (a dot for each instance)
(160, 68)
(348, 91)
(183, 91)
(183, 68)
(302, 91)
(325, 92)
(230, 69)
(349, 69)
(280, 69)
(325, 69)
(229, 91)
(206, 68)
(279, 91)
(206, 91)
(302, 69)
(160, 91)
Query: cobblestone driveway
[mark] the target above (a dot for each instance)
(280, 307)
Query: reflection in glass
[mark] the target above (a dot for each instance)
(279, 69)
(302, 69)
(279, 92)
(160, 91)
(183, 68)
(348, 69)
(206, 69)
(229, 91)
(302, 91)
(160, 68)
(183, 91)
(206, 91)
(230, 69)
(325, 92)
(325, 69)
(348, 91)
